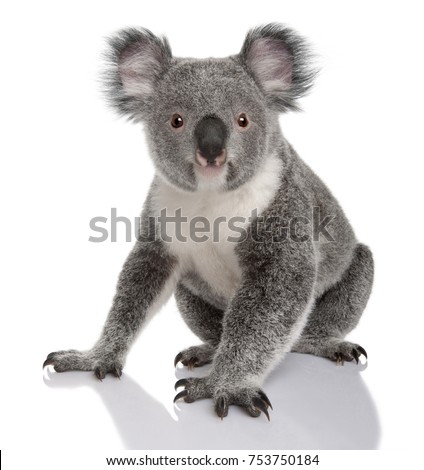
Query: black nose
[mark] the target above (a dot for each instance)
(210, 134)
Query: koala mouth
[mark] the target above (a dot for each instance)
(211, 164)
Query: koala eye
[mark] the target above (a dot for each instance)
(177, 121)
(242, 120)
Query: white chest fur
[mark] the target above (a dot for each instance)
(204, 238)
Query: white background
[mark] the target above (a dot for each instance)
(65, 158)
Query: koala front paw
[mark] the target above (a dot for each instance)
(196, 356)
(100, 364)
(252, 399)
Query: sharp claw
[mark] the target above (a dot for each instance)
(99, 373)
(117, 372)
(48, 362)
(180, 383)
(178, 358)
(355, 355)
(261, 405)
(265, 398)
(182, 394)
(362, 351)
(221, 407)
(339, 359)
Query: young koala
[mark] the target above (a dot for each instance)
(214, 137)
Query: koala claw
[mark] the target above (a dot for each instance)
(362, 351)
(349, 356)
(189, 363)
(181, 394)
(355, 355)
(339, 358)
(265, 398)
(49, 361)
(178, 358)
(99, 373)
(180, 383)
(117, 372)
(221, 407)
(254, 404)
(196, 356)
(261, 405)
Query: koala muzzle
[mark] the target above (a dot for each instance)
(210, 135)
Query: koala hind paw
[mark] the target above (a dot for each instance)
(196, 356)
(347, 351)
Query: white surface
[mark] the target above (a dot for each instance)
(66, 158)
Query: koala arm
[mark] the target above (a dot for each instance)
(266, 315)
(147, 280)
(145, 283)
(263, 320)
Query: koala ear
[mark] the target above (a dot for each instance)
(135, 61)
(279, 62)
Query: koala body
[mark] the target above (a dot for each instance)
(256, 281)
(209, 264)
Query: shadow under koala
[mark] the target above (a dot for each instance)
(317, 405)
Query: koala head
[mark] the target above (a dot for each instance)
(210, 123)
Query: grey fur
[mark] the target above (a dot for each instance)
(303, 73)
(289, 295)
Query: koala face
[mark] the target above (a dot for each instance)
(210, 123)
(204, 129)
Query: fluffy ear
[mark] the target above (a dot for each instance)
(279, 61)
(136, 59)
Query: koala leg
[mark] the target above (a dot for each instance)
(205, 321)
(265, 316)
(338, 311)
(145, 283)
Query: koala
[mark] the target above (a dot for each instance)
(212, 128)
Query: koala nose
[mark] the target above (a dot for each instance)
(211, 134)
